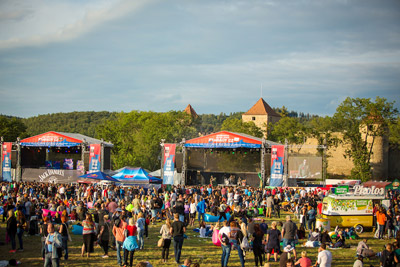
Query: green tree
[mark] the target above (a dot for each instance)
(11, 128)
(361, 120)
(238, 126)
(394, 133)
(137, 135)
(287, 128)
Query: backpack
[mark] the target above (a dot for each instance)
(224, 239)
(244, 245)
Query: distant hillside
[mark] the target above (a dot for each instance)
(71, 122)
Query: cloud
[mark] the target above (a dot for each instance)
(33, 23)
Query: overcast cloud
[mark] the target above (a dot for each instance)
(61, 56)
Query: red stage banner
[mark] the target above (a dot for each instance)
(6, 161)
(94, 158)
(169, 166)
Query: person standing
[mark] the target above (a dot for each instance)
(236, 237)
(311, 218)
(201, 208)
(53, 243)
(381, 219)
(273, 240)
(64, 235)
(21, 225)
(130, 242)
(223, 236)
(104, 235)
(177, 230)
(88, 234)
(166, 235)
(289, 231)
(324, 257)
(270, 206)
(257, 239)
(141, 225)
(118, 232)
(388, 257)
(12, 229)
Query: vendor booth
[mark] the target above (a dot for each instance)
(58, 157)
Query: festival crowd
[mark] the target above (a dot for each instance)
(119, 217)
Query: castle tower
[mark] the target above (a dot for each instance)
(189, 110)
(380, 151)
(261, 114)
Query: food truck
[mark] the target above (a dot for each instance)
(353, 209)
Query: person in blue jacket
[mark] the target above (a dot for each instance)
(201, 209)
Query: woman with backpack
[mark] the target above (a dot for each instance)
(165, 232)
(236, 237)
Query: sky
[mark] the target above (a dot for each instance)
(218, 56)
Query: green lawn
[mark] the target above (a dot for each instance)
(200, 250)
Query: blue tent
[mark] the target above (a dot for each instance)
(99, 176)
(136, 176)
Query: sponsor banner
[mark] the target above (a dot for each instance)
(340, 190)
(305, 167)
(224, 139)
(94, 158)
(50, 175)
(169, 163)
(277, 158)
(361, 190)
(6, 161)
(50, 139)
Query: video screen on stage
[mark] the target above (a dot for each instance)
(305, 167)
(226, 160)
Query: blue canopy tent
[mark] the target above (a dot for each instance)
(96, 177)
(136, 176)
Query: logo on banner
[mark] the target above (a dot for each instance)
(6, 161)
(169, 163)
(94, 158)
(277, 156)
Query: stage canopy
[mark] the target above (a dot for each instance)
(135, 176)
(60, 139)
(225, 139)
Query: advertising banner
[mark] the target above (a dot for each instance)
(277, 158)
(305, 167)
(50, 139)
(6, 160)
(347, 206)
(50, 175)
(340, 190)
(94, 158)
(169, 163)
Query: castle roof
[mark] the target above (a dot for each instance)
(261, 108)
(189, 110)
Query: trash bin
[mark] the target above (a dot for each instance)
(325, 224)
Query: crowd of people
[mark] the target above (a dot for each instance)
(119, 218)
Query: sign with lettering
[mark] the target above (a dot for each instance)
(6, 161)
(169, 163)
(94, 158)
(50, 175)
(361, 190)
(277, 160)
(340, 190)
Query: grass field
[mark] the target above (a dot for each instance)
(199, 249)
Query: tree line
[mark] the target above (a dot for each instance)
(136, 135)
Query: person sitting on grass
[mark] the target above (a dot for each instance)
(363, 249)
(186, 263)
(304, 261)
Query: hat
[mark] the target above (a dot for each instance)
(288, 248)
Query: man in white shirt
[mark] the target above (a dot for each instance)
(324, 257)
(223, 236)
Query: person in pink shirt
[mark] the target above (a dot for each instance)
(304, 261)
